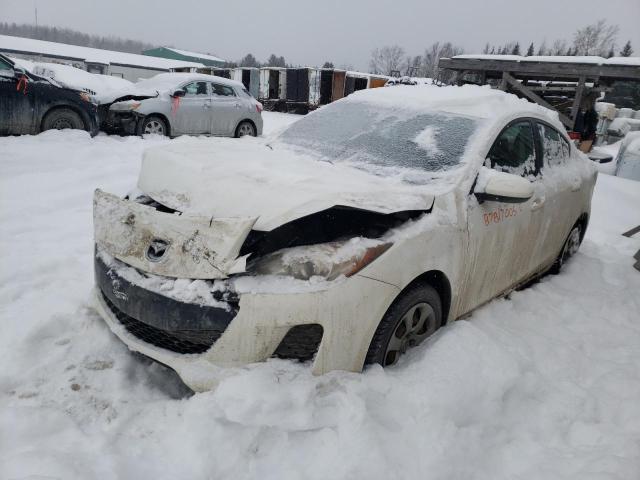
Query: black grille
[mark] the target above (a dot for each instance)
(301, 342)
(179, 341)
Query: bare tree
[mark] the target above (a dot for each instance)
(543, 48)
(434, 53)
(558, 47)
(386, 59)
(596, 39)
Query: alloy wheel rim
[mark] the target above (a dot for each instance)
(572, 245)
(154, 126)
(62, 123)
(245, 129)
(417, 323)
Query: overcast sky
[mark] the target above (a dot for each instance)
(341, 31)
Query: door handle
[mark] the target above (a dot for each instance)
(537, 203)
(237, 105)
(575, 186)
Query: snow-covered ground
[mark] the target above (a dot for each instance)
(545, 384)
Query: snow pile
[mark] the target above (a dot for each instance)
(544, 384)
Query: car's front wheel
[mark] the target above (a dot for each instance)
(412, 318)
(153, 125)
(61, 119)
(245, 128)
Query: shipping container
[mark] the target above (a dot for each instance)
(356, 81)
(250, 78)
(338, 85)
(376, 82)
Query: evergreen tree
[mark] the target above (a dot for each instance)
(611, 53)
(516, 49)
(626, 50)
(530, 50)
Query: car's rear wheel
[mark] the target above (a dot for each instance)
(245, 128)
(412, 318)
(569, 249)
(153, 125)
(61, 119)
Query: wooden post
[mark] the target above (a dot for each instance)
(577, 100)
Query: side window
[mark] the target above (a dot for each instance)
(5, 66)
(514, 150)
(555, 148)
(195, 89)
(223, 90)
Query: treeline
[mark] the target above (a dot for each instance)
(598, 39)
(73, 37)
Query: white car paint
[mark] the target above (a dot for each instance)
(482, 249)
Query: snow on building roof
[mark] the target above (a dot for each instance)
(589, 59)
(196, 55)
(21, 45)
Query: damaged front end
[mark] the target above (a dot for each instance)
(175, 284)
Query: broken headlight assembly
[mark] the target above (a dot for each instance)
(326, 260)
(126, 106)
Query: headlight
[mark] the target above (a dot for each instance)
(327, 260)
(87, 97)
(125, 106)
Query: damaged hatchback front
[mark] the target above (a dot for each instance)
(349, 239)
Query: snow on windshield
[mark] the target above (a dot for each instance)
(412, 144)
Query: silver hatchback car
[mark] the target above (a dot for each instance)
(175, 104)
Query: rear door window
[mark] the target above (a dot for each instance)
(222, 90)
(555, 148)
(514, 150)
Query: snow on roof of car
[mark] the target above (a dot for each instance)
(165, 82)
(11, 45)
(587, 59)
(470, 100)
(196, 55)
(75, 78)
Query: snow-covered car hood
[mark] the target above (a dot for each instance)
(246, 178)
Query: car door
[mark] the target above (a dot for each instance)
(563, 199)
(500, 234)
(17, 101)
(226, 110)
(192, 115)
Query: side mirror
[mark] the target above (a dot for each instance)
(502, 187)
(179, 93)
(18, 71)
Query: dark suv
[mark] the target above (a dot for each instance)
(30, 104)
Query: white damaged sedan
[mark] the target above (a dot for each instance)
(348, 239)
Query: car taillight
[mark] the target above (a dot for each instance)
(259, 107)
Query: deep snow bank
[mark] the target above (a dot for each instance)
(542, 385)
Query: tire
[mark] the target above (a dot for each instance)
(153, 125)
(569, 249)
(61, 119)
(246, 128)
(412, 318)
